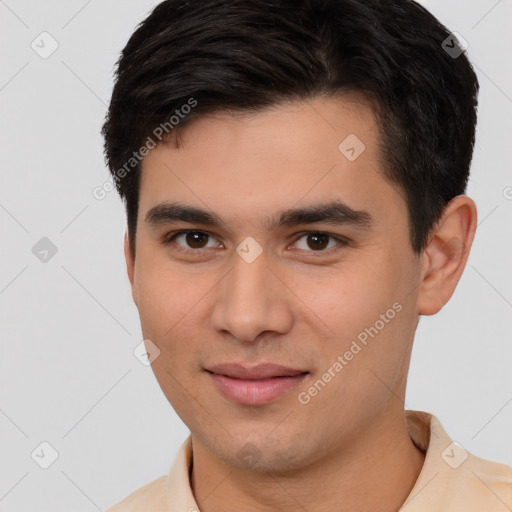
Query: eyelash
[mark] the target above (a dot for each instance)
(342, 241)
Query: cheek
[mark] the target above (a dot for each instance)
(369, 327)
(164, 295)
(155, 304)
(346, 301)
(171, 309)
(167, 319)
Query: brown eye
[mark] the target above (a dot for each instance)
(196, 239)
(191, 241)
(318, 241)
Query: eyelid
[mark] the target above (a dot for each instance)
(342, 241)
(169, 238)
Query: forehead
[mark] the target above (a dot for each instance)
(304, 152)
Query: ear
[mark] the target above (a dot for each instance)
(446, 255)
(130, 264)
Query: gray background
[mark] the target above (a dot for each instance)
(68, 326)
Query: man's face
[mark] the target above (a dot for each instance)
(319, 291)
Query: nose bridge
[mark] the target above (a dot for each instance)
(248, 301)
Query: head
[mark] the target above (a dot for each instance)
(294, 177)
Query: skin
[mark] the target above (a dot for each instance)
(294, 305)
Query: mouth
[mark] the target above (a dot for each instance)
(257, 385)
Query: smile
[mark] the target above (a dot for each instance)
(255, 386)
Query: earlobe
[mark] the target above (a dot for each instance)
(446, 255)
(130, 264)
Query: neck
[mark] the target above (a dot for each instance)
(376, 471)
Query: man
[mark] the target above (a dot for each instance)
(294, 176)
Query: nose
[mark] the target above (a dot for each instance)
(250, 300)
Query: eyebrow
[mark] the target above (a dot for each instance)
(335, 213)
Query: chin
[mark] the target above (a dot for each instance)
(262, 453)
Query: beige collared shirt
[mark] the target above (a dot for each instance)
(451, 479)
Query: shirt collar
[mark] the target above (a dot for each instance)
(450, 479)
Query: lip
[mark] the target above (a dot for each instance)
(255, 385)
(255, 372)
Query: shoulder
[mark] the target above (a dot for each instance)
(167, 492)
(150, 497)
(491, 474)
(452, 478)
(477, 485)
